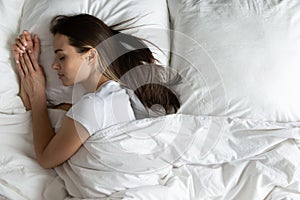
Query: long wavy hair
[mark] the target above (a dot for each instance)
(123, 58)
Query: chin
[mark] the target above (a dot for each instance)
(67, 84)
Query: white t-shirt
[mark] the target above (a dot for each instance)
(110, 105)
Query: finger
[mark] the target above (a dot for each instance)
(17, 57)
(15, 52)
(27, 35)
(34, 61)
(23, 65)
(28, 63)
(23, 39)
(37, 44)
(42, 69)
(29, 39)
(20, 45)
(17, 61)
(20, 70)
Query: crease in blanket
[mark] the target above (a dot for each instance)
(10, 190)
(3, 197)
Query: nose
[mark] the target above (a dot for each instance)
(55, 65)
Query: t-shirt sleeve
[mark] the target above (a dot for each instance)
(84, 112)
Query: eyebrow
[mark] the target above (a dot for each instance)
(57, 50)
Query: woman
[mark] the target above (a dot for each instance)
(90, 53)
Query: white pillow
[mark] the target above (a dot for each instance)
(241, 58)
(153, 15)
(10, 13)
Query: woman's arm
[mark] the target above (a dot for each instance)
(63, 106)
(24, 97)
(51, 149)
(41, 126)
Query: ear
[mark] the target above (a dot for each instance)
(91, 55)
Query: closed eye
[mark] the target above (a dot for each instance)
(62, 58)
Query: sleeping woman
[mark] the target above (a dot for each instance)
(108, 64)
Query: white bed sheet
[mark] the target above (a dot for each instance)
(21, 177)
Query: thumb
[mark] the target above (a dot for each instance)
(42, 69)
(15, 53)
(37, 44)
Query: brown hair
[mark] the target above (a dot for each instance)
(119, 54)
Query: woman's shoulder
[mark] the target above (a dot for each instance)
(110, 89)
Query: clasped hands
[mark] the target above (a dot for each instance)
(26, 51)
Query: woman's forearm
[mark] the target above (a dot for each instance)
(24, 97)
(41, 126)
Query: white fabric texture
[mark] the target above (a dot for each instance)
(10, 13)
(151, 23)
(239, 58)
(109, 105)
(187, 157)
(21, 177)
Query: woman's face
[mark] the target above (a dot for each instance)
(67, 62)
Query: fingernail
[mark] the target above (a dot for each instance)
(25, 43)
(17, 61)
(23, 48)
(29, 51)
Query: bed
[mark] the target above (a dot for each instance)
(236, 135)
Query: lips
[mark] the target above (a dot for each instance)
(60, 75)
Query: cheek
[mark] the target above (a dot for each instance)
(80, 71)
(69, 71)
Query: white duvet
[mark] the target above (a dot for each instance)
(171, 157)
